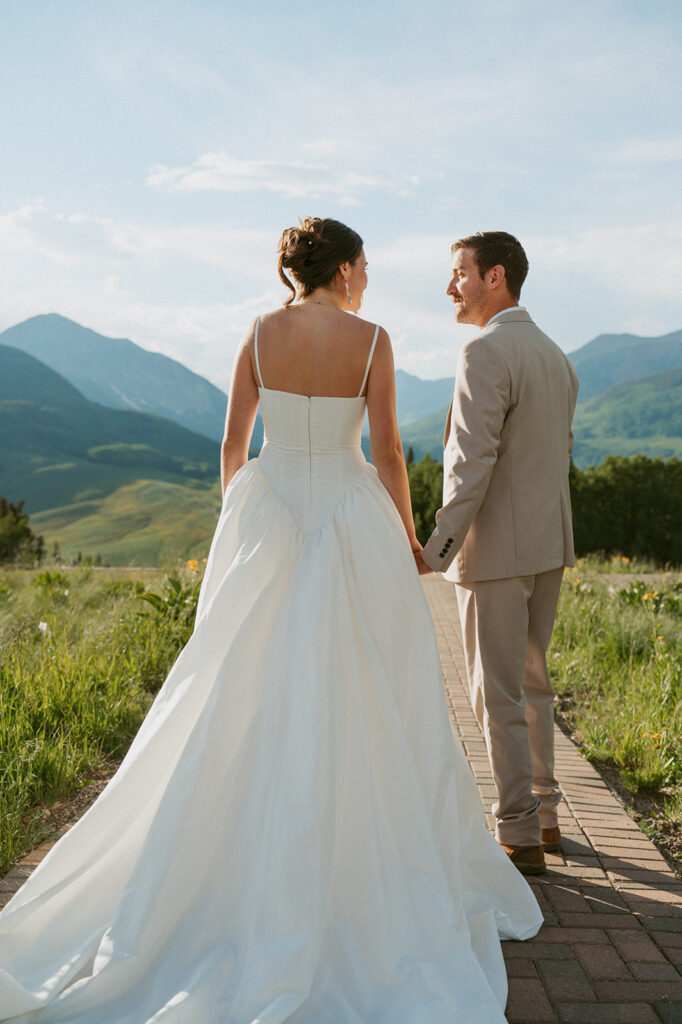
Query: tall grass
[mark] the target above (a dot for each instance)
(616, 664)
(81, 658)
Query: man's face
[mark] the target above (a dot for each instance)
(468, 289)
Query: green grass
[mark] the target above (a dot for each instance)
(616, 663)
(82, 658)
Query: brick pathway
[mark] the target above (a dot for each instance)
(610, 951)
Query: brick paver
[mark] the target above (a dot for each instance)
(610, 951)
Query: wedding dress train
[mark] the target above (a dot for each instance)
(294, 835)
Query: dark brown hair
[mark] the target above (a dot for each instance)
(313, 252)
(497, 248)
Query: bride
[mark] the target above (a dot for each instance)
(294, 835)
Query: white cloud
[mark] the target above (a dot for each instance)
(649, 151)
(21, 234)
(640, 261)
(70, 238)
(220, 172)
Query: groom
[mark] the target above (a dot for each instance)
(504, 532)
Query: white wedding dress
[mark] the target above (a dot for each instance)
(294, 835)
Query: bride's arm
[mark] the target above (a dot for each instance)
(242, 407)
(384, 436)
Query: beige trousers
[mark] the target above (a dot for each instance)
(507, 625)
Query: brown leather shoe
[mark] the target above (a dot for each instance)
(551, 840)
(530, 860)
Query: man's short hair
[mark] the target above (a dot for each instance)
(497, 248)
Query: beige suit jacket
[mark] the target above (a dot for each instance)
(506, 503)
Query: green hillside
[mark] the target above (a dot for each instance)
(58, 448)
(611, 359)
(147, 522)
(127, 486)
(642, 416)
(425, 436)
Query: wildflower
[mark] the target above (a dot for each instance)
(649, 597)
(625, 560)
(192, 564)
(42, 626)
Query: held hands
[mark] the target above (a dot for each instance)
(422, 568)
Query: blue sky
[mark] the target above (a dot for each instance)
(153, 152)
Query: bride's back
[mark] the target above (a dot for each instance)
(313, 349)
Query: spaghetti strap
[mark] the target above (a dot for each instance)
(369, 361)
(255, 352)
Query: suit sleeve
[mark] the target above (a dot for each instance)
(481, 401)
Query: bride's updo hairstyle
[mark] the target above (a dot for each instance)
(313, 252)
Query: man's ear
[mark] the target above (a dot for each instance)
(496, 276)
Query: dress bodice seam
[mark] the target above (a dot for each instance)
(361, 480)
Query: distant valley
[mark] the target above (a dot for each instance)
(115, 449)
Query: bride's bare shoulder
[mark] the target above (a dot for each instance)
(297, 320)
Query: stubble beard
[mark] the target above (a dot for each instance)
(462, 312)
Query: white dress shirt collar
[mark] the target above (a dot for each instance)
(509, 309)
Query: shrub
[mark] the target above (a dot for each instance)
(18, 543)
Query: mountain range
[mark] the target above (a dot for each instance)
(117, 373)
(114, 449)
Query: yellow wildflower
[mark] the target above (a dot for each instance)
(192, 564)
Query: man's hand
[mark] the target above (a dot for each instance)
(422, 568)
